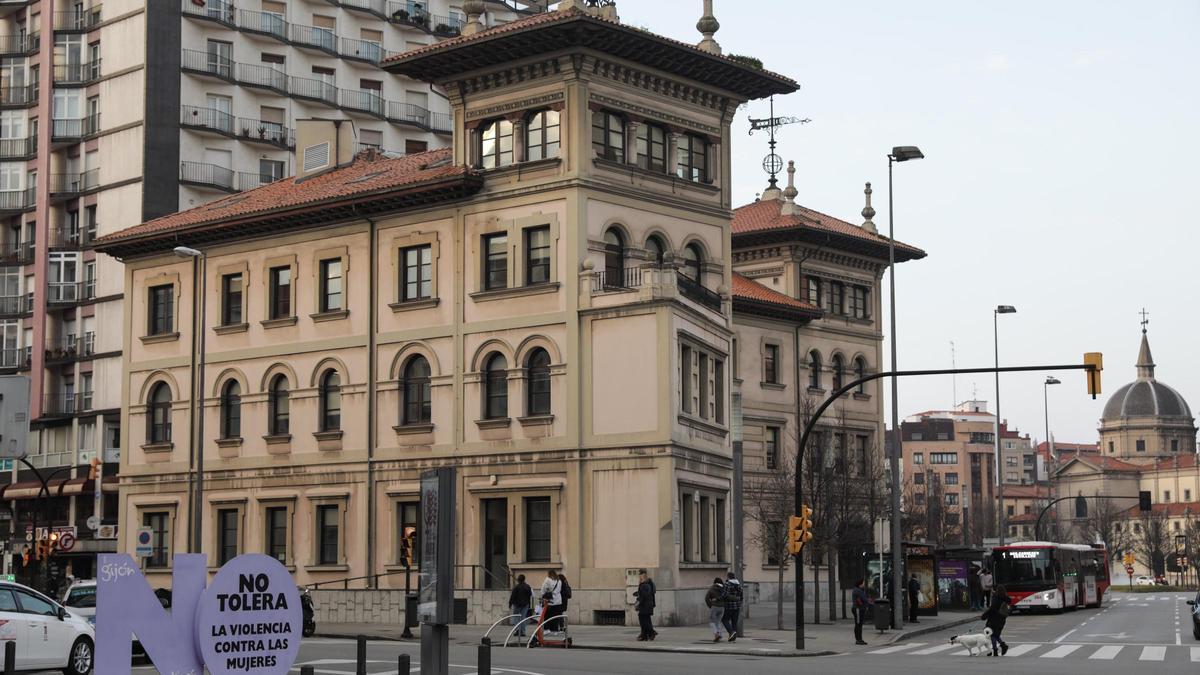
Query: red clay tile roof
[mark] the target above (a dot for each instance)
(748, 289)
(1020, 518)
(1106, 463)
(1172, 510)
(1026, 491)
(361, 177)
(1177, 462)
(764, 216)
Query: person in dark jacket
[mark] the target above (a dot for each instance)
(565, 591)
(519, 603)
(914, 597)
(645, 605)
(734, 594)
(715, 600)
(861, 601)
(996, 616)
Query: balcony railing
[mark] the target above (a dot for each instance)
(15, 44)
(206, 118)
(18, 148)
(201, 173)
(378, 7)
(265, 132)
(15, 200)
(18, 95)
(66, 184)
(216, 10)
(315, 37)
(697, 293)
(49, 460)
(64, 292)
(254, 75)
(12, 305)
(13, 357)
(263, 23)
(77, 19)
(364, 50)
(60, 403)
(16, 253)
(249, 180)
(71, 346)
(317, 90)
(70, 238)
(207, 62)
(65, 130)
(628, 278)
(77, 73)
(363, 100)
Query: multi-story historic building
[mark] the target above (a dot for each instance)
(546, 306)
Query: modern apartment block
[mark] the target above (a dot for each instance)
(116, 113)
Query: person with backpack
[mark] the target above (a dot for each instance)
(645, 606)
(862, 601)
(715, 600)
(733, 605)
(564, 590)
(551, 596)
(996, 616)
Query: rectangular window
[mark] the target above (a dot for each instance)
(943, 458)
(720, 528)
(771, 364)
(702, 370)
(1141, 445)
(813, 291)
(231, 299)
(1174, 445)
(1166, 495)
(608, 136)
(416, 273)
(408, 526)
(951, 499)
(685, 376)
(652, 148)
(692, 158)
(537, 529)
(227, 535)
(331, 285)
(160, 543)
(719, 391)
(837, 298)
(162, 309)
(858, 302)
(688, 521)
(495, 265)
(281, 293)
(327, 534)
(771, 445)
(951, 479)
(277, 531)
(706, 527)
(537, 255)
(918, 458)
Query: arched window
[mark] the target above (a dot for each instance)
(814, 370)
(495, 388)
(614, 259)
(231, 410)
(692, 259)
(538, 380)
(860, 371)
(331, 401)
(416, 392)
(279, 402)
(496, 144)
(657, 249)
(158, 414)
(541, 136)
(839, 370)
(608, 136)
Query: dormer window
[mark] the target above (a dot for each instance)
(652, 148)
(542, 136)
(692, 158)
(608, 135)
(496, 144)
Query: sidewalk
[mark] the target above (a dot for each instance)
(760, 638)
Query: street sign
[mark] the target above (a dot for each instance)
(93, 523)
(1129, 570)
(66, 542)
(14, 416)
(145, 547)
(106, 532)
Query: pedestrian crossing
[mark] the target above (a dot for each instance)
(1039, 650)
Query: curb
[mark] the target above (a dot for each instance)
(624, 648)
(905, 635)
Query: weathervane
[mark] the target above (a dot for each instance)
(1145, 319)
(773, 163)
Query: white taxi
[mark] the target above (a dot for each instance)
(47, 635)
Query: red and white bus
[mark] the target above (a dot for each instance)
(1046, 575)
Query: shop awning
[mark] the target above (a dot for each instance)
(31, 489)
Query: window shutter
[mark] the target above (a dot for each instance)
(316, 156)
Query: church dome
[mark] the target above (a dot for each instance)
(1146, 396)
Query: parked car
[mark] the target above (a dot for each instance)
(47, 635)
(1195, 616)
(80, 599)
(1143, 580)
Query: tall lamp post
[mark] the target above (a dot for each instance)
(199, 278)
(901, 153)
(1052, 458)
(1000, 309)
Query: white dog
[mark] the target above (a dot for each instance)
(978, 641)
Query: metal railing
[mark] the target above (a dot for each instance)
(215, 10)
(70, 237)
(317, 90)
(12, 304)
(378, 7)
(16, 252)
(363, 50)
(15, 148)
(60, 403)
(265, 23)
(499, 583)
(52, 459)
(313, 36)
(206, 118)
(408, 112)
(65, 347)
(628, 278)
(15, 44)
(74, 183)
(202, 173)
(254, 75)
(77, 73)
(362, 100)
(267, 132)
(697, 293)
(63, 292)
(249, 180)
(77, 19)
(210, 63)
(18, 95)
(69, 129)
(15, 200)
(12, 357)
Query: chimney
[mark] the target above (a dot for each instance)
(789, 207)
(474, 10)
(708, 26)
(868, 213)
(323, 145)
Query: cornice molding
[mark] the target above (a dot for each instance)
(506, 77)
(655, 115)
(641, 79)
(513, 106)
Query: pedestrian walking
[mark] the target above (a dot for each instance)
(733, 605)
(861, 601)
(996, 616)
(551, 596)
(564, 591)
(715, 600)
(520, 603)
(975, 592)
(985, 583)
(914, 598)
(645, 606)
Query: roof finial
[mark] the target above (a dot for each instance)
(868, 213)
(708, 26)
(1145, 362)
(474, 10)
(790, 192)
(1145, 319)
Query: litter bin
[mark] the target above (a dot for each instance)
(410, 611)
(883, 615)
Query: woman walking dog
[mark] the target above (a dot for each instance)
(996, 616)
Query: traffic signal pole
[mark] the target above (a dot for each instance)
(1092, 366)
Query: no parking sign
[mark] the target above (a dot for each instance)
(145, 537)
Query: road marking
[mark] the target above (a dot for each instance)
(1178, 640)
(1064, 635)
(1021, 649)
(1153, 654)
(893, 650)
(1195, 654)
(1060, 652)
(934, 650)
(1107, 653)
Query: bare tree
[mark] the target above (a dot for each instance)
(1105, 522)
(1151, 540)
(770, 500)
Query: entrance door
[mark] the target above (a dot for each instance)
(495, 543)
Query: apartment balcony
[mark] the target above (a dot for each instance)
(267, 24)
(212, 10)
(77, 20)
(9, 6)
(262, 131)
(65, 186)
(19, 96)
(364, 50)
(19, 45)
(61, 404)
(206, 119)
(313, 37)
(77, 74)
(73, 239)
(315, 90)
(18, 148)
(697, 293)
(376, 7)
(16, 253)
(249, 180)
(64, 293)
(50, 460)
(364, 101)
(16, 200)
(201, 174)
(207, 63)
(620, 280)
(74, 130)
(13, 305)
(71, 347)
(263, 77)
(13, 358)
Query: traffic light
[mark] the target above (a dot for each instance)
(1144, 504)
(406, 546)
(1128, 559)
(92, 471)
(799, 530)
(1096, 360)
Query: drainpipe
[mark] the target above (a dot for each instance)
(372, 393)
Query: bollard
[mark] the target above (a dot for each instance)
(361, 658)
(10, 657)
(405, 665)
(485, 660)
(308, 670)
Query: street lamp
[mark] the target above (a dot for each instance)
(199, 275)
(900, 153)
(1000, 309)
(1051, 457)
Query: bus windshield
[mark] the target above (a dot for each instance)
(1023, 566)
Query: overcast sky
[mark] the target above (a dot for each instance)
(1060, 177)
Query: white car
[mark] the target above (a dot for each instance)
(46, 634)
(1143, 580)
(80, 599)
